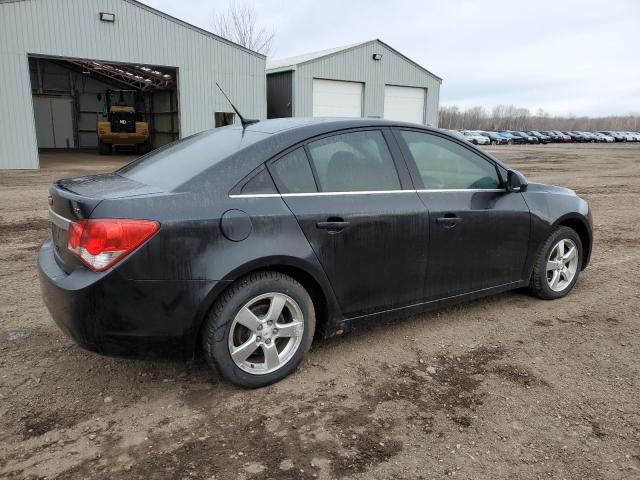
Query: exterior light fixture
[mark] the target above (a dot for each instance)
(107, 17)
(377, 56)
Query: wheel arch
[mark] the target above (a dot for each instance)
(313, 280)
(581, 227)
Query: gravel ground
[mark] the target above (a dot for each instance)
(502, 388)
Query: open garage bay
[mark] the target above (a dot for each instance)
(506, 387)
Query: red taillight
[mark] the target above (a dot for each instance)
(102, 243)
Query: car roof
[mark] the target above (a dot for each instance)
(279, 125)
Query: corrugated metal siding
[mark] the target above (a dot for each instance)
(357, 65)
(71, 28)
(280, 94)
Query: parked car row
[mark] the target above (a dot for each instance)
(514, 137)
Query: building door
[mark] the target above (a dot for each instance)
(333, 98)
(54, 121)
(404, 103)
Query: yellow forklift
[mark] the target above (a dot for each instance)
(122, 125)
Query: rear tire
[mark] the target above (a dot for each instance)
(556, 270)
(241, 321)
(104, 148)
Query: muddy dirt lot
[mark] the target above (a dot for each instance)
(504, 388)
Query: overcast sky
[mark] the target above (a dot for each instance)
(578, 57)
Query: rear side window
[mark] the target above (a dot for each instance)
(358, 161)
(293, 173)
(443, 164)
(260, 183)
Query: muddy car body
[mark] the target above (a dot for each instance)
(261, 237)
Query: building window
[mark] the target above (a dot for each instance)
(224, 118)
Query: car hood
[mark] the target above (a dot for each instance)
(546, 188)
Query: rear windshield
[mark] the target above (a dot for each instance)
(175, 164)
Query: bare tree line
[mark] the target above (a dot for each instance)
(239, 23)
(509, 117)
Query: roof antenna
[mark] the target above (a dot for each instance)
(244, 121)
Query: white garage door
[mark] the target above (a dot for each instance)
(333, 98)
(404, 103)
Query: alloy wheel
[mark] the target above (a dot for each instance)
(562, 264)
(266, 333)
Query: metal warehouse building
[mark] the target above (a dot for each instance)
(369, 79)
(58, 57)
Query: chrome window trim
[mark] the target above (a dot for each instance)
(256, 195)
(372, 192)
(59, 220)
(359, 192)
(427, 190)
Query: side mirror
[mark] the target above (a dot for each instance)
(516, 182)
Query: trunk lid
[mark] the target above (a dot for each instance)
(106, 186)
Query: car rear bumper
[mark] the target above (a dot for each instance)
(109, 314)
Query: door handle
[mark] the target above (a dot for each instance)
(449, 221)
(332, 225)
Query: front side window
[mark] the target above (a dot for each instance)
(351, 162)
(443, 164)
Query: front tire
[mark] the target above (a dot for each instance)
(259, 330)
(558, 265)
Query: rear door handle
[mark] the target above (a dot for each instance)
(449, 222)
(332, 226)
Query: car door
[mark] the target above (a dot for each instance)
(479, 233)
(361, 215)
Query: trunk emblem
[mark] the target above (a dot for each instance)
(75, 208)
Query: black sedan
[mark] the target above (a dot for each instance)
(542, 138)
(555, 137)
(248, 242)
(576, 137)
(527, 138)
